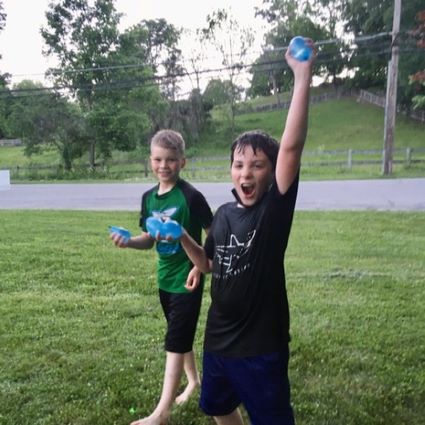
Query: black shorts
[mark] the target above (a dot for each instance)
(182, 313)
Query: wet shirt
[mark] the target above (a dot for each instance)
(249, 312)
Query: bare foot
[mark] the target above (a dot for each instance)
(188, 391)
(153, 419)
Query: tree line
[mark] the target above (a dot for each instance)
(112, 90)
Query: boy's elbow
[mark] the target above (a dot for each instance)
(293, 146)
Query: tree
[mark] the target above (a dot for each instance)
(270, 69)
(127, 111)
(4, 80)
(154, 43)
(369, 22)
(233, 44)
(319, 20)
(47, 118)
(368, 19)
(218, 92)
(418, 79)
(190, 116)
(4, 110)
(82, 36)
(2, 16)
(195, 61)
(262, 80)
(124, 119)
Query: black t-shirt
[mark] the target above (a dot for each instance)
(249, 313)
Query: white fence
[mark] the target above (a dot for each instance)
(4, 180)
(374, 99)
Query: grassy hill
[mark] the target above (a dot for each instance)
(341, 125)
(336, 124)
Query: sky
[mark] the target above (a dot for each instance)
(21, 43)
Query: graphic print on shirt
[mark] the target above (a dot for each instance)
(164, 215)
(166, 247)
(232, 256)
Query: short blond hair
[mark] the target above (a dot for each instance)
(169, 139)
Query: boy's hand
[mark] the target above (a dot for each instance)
(193, 279)
(164, 230)
(119, 240)
(120, 236)
(299, 66)
(159, 238)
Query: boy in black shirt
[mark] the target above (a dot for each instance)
(247, 332)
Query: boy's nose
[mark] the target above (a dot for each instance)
(246, 171)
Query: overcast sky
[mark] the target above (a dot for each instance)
(21, 43)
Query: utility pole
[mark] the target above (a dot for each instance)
(391, 98)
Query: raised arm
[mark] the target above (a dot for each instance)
(295, 132)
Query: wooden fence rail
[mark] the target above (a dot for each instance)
(374, 99)
(346, 158)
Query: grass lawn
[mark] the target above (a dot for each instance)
(81, 327)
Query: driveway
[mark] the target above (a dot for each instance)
(382, 195)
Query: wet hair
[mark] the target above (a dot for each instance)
(169, 139)
(257, 139)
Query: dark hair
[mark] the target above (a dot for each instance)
(257, 139)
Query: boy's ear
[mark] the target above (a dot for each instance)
(183, 162)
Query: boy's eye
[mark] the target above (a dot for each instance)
(165, 160)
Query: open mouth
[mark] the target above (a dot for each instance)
(247, 189)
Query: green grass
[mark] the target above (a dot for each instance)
(81, 327)
(334, 125)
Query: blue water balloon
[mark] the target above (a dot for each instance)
(168, 229)
(124, 233)
(153, 225)
(172, 229)
(299, 49)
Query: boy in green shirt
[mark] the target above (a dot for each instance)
(173, 198)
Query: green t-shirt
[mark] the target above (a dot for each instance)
(187, 206)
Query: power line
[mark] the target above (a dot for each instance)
(262, 66)
(339, 41)
(143, 65)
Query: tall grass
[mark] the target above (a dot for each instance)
(81, 327)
